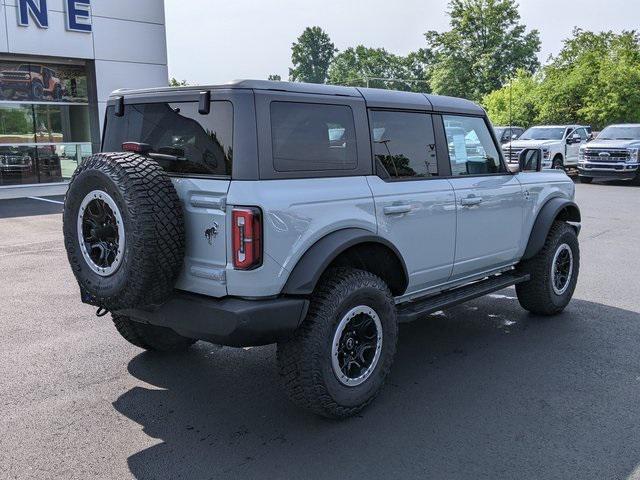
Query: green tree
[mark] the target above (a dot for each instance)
(311, 56)
(486, 45)
(362, 66)
(517, 103)
(595, 79)
(177, 83)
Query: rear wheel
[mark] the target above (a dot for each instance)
(150, 337)
(339, 358)
(554, 273)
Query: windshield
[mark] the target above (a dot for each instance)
(620, 133)
(499, 132)
(24, 68)
(543, 133)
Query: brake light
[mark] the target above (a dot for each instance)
(136, 147)
(246, 231)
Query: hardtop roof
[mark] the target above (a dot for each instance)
(374, 97)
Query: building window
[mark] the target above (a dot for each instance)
(45, 128)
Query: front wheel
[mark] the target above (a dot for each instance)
(557, 164)
(339, 358)
(554, 273)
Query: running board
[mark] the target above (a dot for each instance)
(410, 311)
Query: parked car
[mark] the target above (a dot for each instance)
(508, 134)
(37, 80)
(15, 161)
(316, 217)
(560, 144)
(613, 155)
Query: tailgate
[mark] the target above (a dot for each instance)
(205, 261)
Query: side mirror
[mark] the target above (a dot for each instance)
(575, 138)
(530, 160)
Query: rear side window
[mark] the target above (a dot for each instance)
(182, 140)
(404, 145)
(312, 137)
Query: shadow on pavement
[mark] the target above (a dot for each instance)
(27, 207)
(484, 390)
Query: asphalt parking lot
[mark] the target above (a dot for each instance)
(484, 390)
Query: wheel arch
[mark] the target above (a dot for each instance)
(555, 209)
(354, 247)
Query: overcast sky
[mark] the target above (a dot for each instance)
(212, 41)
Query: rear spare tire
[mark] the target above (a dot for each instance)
(123, 231)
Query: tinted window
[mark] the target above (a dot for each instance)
(403, 145)
(543, 133)
(582, 132)
(182, 140)
(471, 148)
(310, 136)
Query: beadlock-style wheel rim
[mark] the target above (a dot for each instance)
(101, 233)
(356, 346)
(562, 269)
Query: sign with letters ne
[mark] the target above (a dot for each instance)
(77, 14)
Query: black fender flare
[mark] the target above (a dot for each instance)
(307, 272)
(556, 208)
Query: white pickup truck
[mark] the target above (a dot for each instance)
(560, 144)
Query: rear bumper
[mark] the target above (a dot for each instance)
(228, 321)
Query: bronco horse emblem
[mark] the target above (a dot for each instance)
(212, 232)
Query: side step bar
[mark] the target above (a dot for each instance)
(410, 311)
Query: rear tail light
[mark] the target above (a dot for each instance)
(246, 231)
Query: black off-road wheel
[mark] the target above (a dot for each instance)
(123, 231)
(554, 273)
(339, 358)
(150, 337)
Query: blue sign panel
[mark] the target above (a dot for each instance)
(77, 13)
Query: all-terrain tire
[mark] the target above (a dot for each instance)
(37, 90)
(538, 295)
(152, 217)
(150, 337)
(585, 179)
(305, 361)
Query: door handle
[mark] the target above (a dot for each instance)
(471, 201)
(397, 209)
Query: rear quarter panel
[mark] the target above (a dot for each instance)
(542, 187)
(296, 214)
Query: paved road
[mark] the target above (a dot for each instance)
(483, 391)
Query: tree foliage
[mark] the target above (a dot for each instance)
(516, 103)
(362, 66)
(485, 46)
(594, 80)
(311, 56)
(177, 83)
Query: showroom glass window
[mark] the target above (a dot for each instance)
(44, 121)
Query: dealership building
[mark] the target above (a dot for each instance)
(59, 60)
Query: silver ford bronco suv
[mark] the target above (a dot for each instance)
(312, 216)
